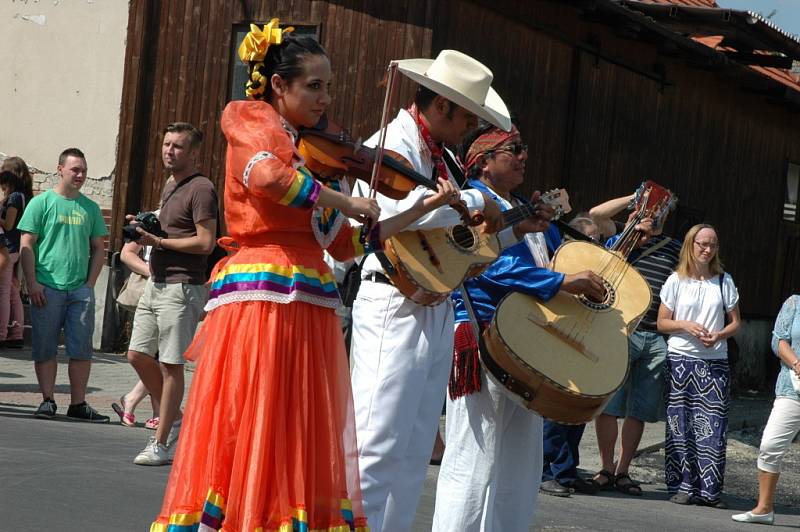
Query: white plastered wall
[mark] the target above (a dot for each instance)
(61, 69)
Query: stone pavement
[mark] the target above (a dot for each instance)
(111, 377)
(110, 448)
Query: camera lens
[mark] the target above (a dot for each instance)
(129, 233)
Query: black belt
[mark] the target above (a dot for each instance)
(378, 277)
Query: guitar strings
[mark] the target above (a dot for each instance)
(612, 269)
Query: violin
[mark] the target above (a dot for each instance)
(330, 154)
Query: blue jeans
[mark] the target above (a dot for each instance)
(561, 456)
(71, 310)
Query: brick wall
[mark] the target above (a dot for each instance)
(100, 189)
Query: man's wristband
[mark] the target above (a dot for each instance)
(158, 244)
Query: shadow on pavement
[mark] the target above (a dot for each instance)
(97, 357)
(34, 388)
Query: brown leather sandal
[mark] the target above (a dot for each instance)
(628, 486)
(608, 476)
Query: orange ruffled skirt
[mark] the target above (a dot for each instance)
(268, 437)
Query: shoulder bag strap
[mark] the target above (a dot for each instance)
(178, 185)
(652, 249)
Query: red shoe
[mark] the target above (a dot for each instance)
(125, 418)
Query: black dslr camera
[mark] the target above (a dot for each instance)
(148, 221)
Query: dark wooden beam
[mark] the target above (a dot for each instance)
(765, 60)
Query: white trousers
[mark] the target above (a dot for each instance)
(401, 354)
(782, 427)
(492, 465)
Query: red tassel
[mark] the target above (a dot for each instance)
(465, 374)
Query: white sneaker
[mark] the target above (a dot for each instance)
(153, 454)
(174, 432)
(750, 517)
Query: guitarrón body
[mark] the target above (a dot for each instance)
(568, 356)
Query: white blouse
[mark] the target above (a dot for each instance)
(699, 301)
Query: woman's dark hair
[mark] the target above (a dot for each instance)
(466, 144)
(17, 166)
(14, 182)
(286, 60)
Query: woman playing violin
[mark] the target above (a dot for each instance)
(268, 437)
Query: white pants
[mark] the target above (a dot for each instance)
(492, 465)
(401, 354)
(782, 427)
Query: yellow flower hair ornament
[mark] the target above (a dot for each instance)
(257, 41)
(257, 83)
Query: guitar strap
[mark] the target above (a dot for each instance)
(455, 169)
(473, 318)
(570, 231)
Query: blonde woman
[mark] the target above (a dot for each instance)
(695, 301)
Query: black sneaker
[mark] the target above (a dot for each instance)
(46, 410)
(84, 412)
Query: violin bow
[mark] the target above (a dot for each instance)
(379, 149)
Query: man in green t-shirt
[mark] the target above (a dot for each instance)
(62, 255)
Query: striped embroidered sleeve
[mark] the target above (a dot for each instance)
(261, 156)
(293, 187)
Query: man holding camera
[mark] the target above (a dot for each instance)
(62, 254)
(175, 294)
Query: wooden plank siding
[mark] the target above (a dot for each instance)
(723, 151)
(187, 76)
(596, 126)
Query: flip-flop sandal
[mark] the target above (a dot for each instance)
(608, 485)
(125, 418)
(628, 486)
(151, 423)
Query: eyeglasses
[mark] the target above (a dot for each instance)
(515, 149)
(707, 245)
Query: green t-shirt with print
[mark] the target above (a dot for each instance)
(64, 229)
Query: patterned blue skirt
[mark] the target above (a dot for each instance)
(698, 398)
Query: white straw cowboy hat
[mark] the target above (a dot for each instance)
(462, 80)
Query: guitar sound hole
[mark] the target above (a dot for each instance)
(607, 302)
(462, 236)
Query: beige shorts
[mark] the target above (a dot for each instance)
(166, 319)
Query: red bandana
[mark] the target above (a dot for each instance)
(491, 140)
(437, 153)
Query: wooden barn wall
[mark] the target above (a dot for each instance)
(592, 126)
(178, 64)
(600, 129)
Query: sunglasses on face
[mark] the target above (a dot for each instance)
(514, 149)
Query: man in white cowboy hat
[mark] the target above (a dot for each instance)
(402, 351)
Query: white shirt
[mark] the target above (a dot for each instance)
(699, 301)
(402, 137)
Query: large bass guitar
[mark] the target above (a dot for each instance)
(565, 358)
(426, 265)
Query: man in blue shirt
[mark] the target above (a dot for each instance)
(491, 467)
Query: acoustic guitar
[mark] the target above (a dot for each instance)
(565, 358)
(427, 265)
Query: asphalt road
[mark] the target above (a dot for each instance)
(70, 477)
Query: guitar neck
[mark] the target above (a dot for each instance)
(629, 237)
(525, 210)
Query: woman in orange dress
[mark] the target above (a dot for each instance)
(268, 438)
